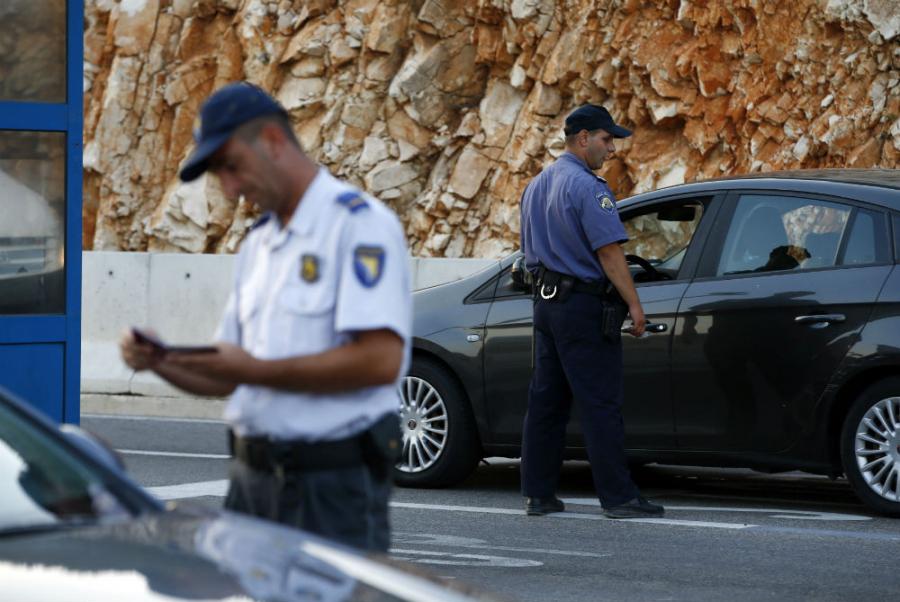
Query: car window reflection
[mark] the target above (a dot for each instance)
(774, 233)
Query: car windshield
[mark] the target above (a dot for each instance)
(43, 484)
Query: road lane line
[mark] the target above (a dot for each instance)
(774, 512)
(571, 515)
(454, 541)
(220, 487)
(188, 490)
(145, 452)
(152, 418)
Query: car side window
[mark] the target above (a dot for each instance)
(662, 236)
(867, 242)
(775, 232)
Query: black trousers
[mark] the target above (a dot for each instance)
(574, 362)
(347, 505)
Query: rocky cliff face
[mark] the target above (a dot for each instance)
(446, 108)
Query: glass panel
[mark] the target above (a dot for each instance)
(662, 237)
(33, 50)
(867, 242)
(32, 228)
(772, 232)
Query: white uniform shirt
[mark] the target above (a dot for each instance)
(339, 266)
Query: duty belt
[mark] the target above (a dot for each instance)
(265, 455)
(564, 282)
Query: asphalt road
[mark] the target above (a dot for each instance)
(727, 535)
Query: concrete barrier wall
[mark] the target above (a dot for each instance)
(181, 296)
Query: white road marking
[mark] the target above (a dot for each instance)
(455, 541)
(188, 490)
(448, 558)
(220, 487)
(571, 515)
(144, 452)
(152, 418)
(774, 512)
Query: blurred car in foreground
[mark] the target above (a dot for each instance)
(74, 527)
(776, 299)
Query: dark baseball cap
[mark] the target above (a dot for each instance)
(227, 109)
(593, 117)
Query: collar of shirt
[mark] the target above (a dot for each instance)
(307, 212)
(572, 158)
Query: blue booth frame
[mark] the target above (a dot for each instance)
(31, 342)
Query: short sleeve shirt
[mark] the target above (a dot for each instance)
(567, 214)
(338, 267)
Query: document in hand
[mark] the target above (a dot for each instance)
(148, 339)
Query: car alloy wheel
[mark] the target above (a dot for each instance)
(877, 448)
(870, 446)
(423, 422)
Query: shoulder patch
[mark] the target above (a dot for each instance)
(260, 221)
(353, 200)
(606, 203)
(368, 264)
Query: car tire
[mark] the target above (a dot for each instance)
(440, 440)
(870, 446)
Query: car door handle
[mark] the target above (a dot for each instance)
(820, 319)
(650, 327)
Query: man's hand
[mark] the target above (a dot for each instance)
(639, 322)
(229, 363)
(139, 356)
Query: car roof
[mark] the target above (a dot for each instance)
(856, 184)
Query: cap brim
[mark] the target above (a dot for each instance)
(198, 162)
(619, 132)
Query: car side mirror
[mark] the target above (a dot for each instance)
(95, 447)
(521, 277)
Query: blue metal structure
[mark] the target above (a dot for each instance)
(40, 353)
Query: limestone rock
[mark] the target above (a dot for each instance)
(447, 108)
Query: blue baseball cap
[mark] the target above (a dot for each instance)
(593, 117)
(227, 109)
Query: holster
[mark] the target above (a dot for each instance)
(381, 445)
(614, 312)
(553, 286)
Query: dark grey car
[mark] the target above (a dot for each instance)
(777, 304)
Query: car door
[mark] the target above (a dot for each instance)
(785, 286)
(661, 232)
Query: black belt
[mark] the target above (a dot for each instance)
(568, 283)
(265, 455)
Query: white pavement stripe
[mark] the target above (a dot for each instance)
(572, 515)
(151, 418)
(189, 490)
(219, 488)
(145, 452)
(774, 512)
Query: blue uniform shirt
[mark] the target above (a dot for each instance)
(567, 214)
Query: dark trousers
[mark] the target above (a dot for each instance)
(572, 360)
(347, 505)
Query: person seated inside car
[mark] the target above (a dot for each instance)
(784, 257)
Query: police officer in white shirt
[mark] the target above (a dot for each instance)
(315, 335)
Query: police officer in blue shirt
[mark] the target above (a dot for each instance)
(571, 236)
(314, 338)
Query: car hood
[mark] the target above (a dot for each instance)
(199, 554)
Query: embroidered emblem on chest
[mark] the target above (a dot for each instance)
(606, 203)
(309, 268)
(368, 264)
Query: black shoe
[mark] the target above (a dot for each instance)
(636, 508)
(539, 506)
